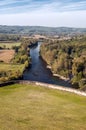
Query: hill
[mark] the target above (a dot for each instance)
(41, 30)
(30, 107)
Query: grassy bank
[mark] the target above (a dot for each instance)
(26, 107)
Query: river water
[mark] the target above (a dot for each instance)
(39, 72)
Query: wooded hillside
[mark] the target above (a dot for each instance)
(67, 58)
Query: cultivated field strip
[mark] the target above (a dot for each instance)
(6, 55)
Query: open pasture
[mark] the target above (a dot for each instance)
(30, 107)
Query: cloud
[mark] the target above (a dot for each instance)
(73, 19)
(43, 12)
(19, 6)
(75, 6)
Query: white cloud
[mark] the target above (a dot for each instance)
(74, 6)
(55, 13)
(71, 19)
(19, 6)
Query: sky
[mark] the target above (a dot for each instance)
(52, 13)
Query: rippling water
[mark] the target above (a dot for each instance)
(39, 72)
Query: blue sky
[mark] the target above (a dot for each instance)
(56, 13)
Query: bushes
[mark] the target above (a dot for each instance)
(26, 64)
(82, 83)
(10, 75)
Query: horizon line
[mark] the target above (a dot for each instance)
(43, 26)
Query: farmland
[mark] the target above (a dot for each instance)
(6, 55)
(13, 59)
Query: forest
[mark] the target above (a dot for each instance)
(67, 58)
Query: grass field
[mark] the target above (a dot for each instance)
(11, 71)
(26, 107)
(13, 67)
(6, 55)
(9, 45)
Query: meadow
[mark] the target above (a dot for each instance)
(9, 45)
(13, 67)
(10, 72)
(30, 107)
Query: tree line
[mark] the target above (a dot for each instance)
(67, 58)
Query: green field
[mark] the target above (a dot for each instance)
(13, 67)
(9, 45)
(26, 107)
(11, 71)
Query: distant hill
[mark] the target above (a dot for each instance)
(31, 30)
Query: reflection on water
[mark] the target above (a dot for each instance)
(39, 72)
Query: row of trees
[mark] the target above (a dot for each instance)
(67, 58)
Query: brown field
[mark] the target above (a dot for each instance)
(6, 55)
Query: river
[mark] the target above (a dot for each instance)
(39, 72)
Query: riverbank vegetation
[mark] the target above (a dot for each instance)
(67, 58)
(10, 72)
(14, 68)
(29, 107)
(14, 57)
